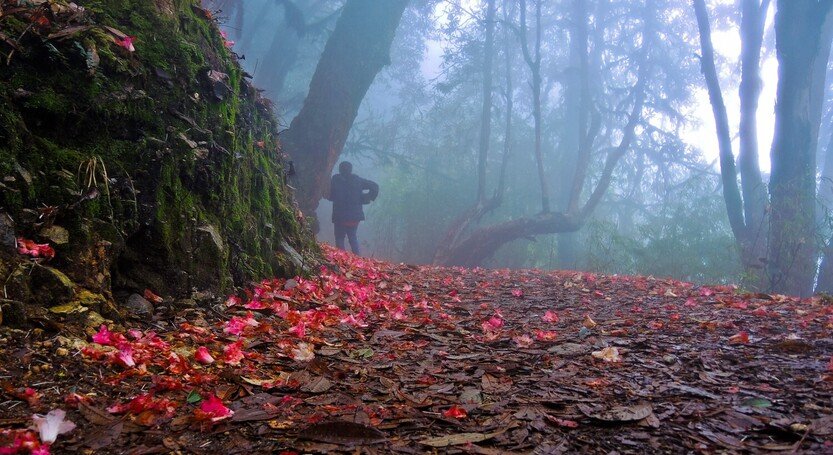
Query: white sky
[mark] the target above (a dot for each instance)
(704, 136)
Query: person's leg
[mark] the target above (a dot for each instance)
(354, 239)
(340, 232)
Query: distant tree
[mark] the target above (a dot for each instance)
(482, 243)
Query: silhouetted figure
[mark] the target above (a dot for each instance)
(349, 192)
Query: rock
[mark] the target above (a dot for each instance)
(56, 235)
(294, 256)
(219, 87)
(7, 235)
(185, 303)
(191, 144)
(68, 308)
(50, 287)
(93, 320)
(138, 306)
(209, 254)
(214, 235)
(24, 174)
(13, 313)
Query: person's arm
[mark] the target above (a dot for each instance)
(372, 191)
(328, 193)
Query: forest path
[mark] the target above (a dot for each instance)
(372, 357)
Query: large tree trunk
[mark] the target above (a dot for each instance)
(802, 33)
(825, 208)
(356, 51)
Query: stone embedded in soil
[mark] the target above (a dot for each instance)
(51, 286)
(138, 306)
(7, 236)
(56, 235)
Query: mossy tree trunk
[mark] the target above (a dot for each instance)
(357, 50)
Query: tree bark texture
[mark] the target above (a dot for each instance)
(802, 34)
(357, 50)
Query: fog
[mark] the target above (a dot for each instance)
(663, 137)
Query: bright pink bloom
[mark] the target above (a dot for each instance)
(233, 301)
(203, 356)
(213, 409)
(35, 250)
(256, 305)
(125, 356)
(236, 325)
(299, 329)
(233, 353)
(518, 293)
(550, 316)
(354, 321)
(104, 336)
(127, 43)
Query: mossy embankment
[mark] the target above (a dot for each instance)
(153, 168)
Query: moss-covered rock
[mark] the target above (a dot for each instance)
(161, 166)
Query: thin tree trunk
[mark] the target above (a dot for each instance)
(752, 185)
(481, 205)
(534, 63)
(510, 108)
(802, 32)
(728, 172)
(357, 50)
(486, 113)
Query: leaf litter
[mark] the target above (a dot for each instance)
(384, 358)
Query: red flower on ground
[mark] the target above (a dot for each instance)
(35, 250)
(212, 409)
(455, 412)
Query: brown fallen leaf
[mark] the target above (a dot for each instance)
(458, 439)
(618, 413)
(342, 433)
(317, 385)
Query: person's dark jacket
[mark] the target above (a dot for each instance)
(348, 193)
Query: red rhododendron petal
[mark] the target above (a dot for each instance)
(455, 412)
(203, 356)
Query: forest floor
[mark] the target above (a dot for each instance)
(372, 357)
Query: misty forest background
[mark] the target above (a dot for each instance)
(571, 134)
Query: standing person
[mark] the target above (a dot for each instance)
(349, 192)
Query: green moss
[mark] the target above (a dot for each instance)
(126, 115)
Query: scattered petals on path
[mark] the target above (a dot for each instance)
(507, 361)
